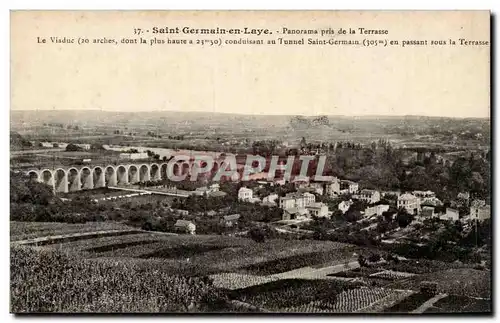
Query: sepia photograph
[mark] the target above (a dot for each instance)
(263, 162)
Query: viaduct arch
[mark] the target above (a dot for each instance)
(72, 179)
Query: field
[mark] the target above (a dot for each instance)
(30, 230)
(465, 281)
(460, 304)
(115, 272)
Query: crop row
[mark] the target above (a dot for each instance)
(389, 274)
(234, 281)
(30, 230)
(286, 293)
(465, 282)
(297, 261)
(104, 241)
(46, 280)
(348, 301)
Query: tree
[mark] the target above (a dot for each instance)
(404, 218)
(257, 234)
(375, 257)
(73, 147)
(362, 261)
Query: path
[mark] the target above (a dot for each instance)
(427, 304)
(321, 273)
(147, 191)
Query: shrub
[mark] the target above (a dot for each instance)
(374, 257)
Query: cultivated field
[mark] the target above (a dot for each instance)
(301, 276)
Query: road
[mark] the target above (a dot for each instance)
(146, 191)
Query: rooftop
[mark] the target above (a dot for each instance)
(183, 223)
(407, 197)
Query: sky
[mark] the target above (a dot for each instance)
(447, 80)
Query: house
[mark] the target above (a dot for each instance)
(390, 193)
(348, 187)
(479, 210)
(333, 188)
(201, 191)
(211, 213)
(254, 200)
(422, 195)
(214, 188)
(431, 201)
(84, 146)
(451, 214)
(306, 186)
(463, 196)
(376, 210)
(295, 214)
(181, 212)
(317, 188)
(409, 202)
(185, 226)
(345, 205)
(296, 200)
(245, 194)
(428, 212)
(230, 220)
(318, 209)
(271, 198)
(369, 196)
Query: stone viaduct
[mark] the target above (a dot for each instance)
(64, 179)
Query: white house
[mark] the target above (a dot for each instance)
(185, 226)
(428, 212)
(333, 188)
(310, 186)
(271, 198)
(369, 196)
(422, 195)
(296, 200)
(345, 205)
(84, 146)
(295, 214)
(409, 202)
(376, 210)
(451, 215)
(245, 194)
(479, 210)
(318, 209)
(348, 187)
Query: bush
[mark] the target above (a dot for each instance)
(362, 261)
(258, 235)
(374, 257)
(73, 147)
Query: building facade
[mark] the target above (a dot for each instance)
(479, 210)
(369, 196)
(409, 202)
(245, 194)
(319, 210)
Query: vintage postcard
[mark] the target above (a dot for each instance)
(250, 162)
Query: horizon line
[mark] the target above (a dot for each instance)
(247, 114)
